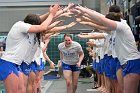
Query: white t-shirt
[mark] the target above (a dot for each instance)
(125, 45)
(32, 48)
(70, 54)
(102, 44)
(112, 41)
(100, 47)
(17, 43)
(106, 46)
(38, 55)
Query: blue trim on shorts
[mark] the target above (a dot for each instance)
(25, 68)
(33, 66)
(7, 68)
(132, 66)
(70, 67)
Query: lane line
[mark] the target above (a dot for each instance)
(47, 85)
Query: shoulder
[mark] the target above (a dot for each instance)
(76, 43)
(60, 45)
(23, 27)
(122, 27)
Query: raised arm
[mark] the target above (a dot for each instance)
(44, 25)
(56, 23)
(101, 27)
(61, 28)
(92, 35)
(98, 17)
(61, 11)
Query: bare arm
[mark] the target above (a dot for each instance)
(44, 49)
(64, 10)
(92, 36)
(98, 17)
(44, 25)
(52, 25)
(81, 56)
(101, 27)
(87, 19)
(61, 28)
(61, 58)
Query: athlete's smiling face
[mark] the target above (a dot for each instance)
(68, 41)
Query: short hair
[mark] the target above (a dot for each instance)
(32, 19)
(114, 8)
(68, 35)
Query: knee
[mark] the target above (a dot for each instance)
(69, 83)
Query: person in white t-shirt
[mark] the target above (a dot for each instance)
(71, 56)
(125, 48)
(17, 45)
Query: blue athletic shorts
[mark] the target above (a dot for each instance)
(102, 65)
(118, 64)
(70, 67)
(132, 66)
(7, 68)
(113, 66)
(25, 68)
(33, 66)
(107, 66)
(41, 67)
(99, 67)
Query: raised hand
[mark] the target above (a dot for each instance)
(70, 5)
(80, 8)
(54, 9)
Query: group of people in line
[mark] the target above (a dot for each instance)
(113, 49)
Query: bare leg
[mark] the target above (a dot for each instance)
(22, 86)
(39, 75)
(68, 77)
(11, 84)
(25, 78)
(75, 76)
(120, 80)
(31, 82)
(131, 83)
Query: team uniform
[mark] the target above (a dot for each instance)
(100, 54)
(70, 55)
(126, 49)
(28, 65)
(16, 49)
(39, 58)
